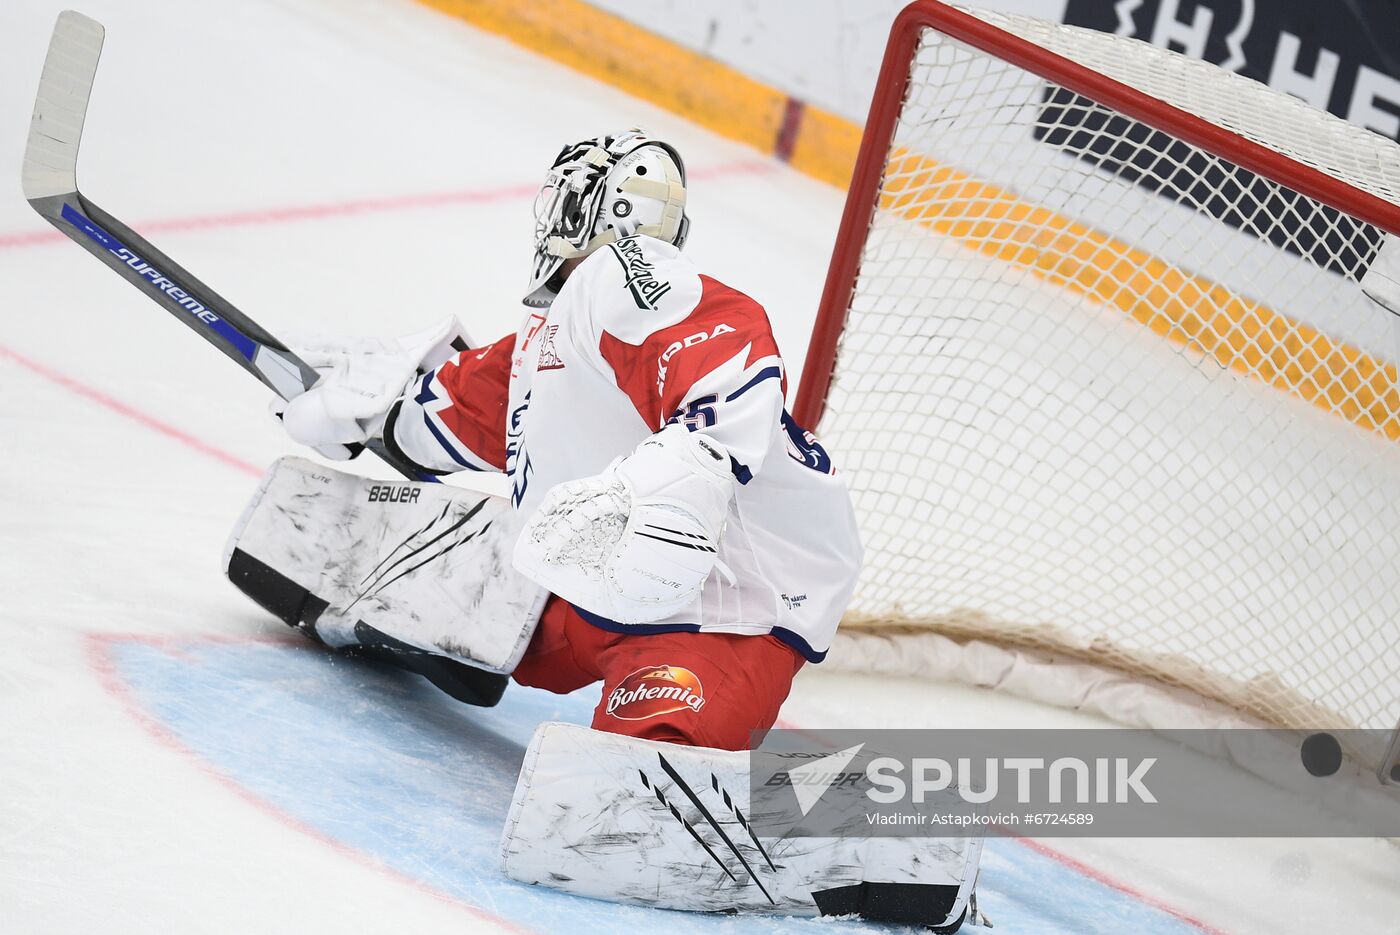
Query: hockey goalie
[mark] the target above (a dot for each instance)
(670, 532)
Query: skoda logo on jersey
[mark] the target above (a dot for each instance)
(675, 347)
(655, 690)
(646, 289)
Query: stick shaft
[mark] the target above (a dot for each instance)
(49, 178)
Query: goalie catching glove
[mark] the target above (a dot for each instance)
(637, 542)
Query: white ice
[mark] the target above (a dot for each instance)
(363, 166)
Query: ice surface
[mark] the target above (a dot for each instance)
(173, 761)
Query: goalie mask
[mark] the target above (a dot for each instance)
(602, 190)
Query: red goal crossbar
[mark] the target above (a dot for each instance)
(885, 107)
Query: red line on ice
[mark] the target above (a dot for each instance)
(279, 216)
(101, 661)
(1100, 877)
(350, 208)
(113, 404)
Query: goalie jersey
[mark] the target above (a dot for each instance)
(637, 339)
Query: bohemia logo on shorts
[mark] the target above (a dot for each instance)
(655, 690)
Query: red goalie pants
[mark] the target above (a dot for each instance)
(701, 689)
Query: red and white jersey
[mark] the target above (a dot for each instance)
(636, 339)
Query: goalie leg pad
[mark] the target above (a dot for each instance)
(389, 567)
(663, 825)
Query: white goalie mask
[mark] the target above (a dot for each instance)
(602, 190)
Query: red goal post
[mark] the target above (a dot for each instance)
(1184, 229)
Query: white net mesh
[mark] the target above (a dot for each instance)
(1105, 393)
(1255, 111)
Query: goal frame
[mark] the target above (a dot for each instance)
(886, 105)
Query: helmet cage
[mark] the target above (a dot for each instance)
(569, 207)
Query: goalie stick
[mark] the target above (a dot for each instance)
(50, 182)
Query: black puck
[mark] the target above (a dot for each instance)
(1322, 755)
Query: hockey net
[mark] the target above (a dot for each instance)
(1097, 359)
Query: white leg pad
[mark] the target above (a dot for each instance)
(663, 825)
(426, 564)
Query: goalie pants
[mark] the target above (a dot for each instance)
(700, 689)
